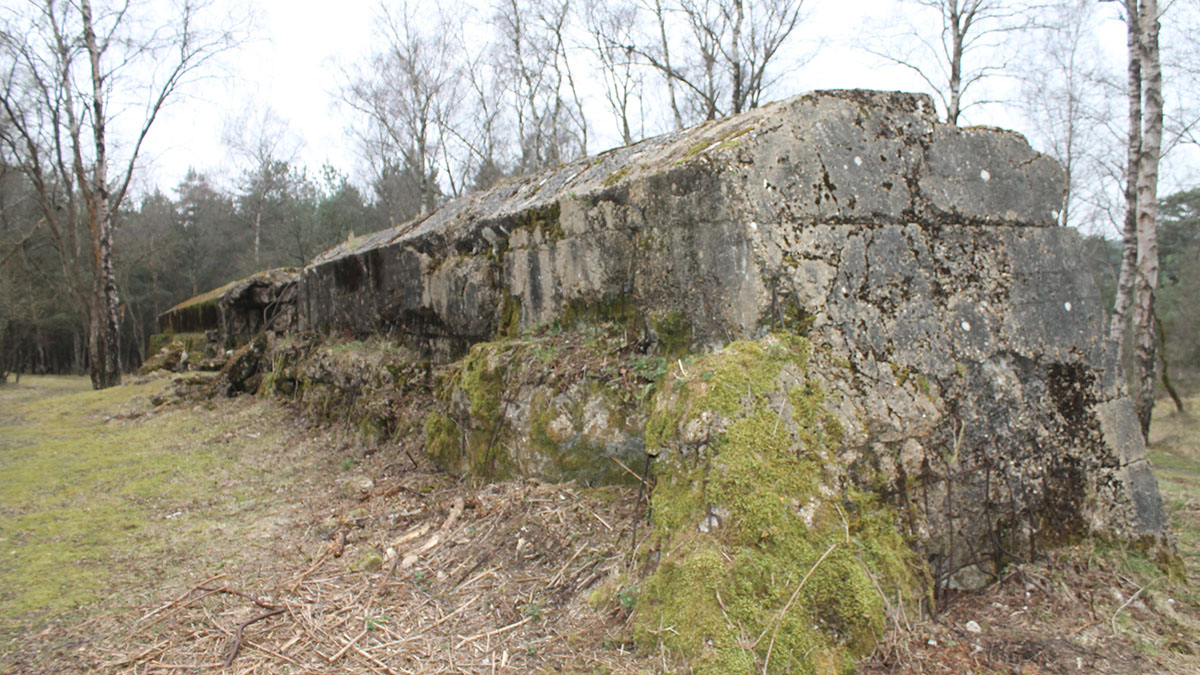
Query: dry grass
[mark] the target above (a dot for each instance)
(339, 559)
(457, 580)
(352, 559)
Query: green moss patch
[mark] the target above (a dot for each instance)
(190, 341)
(769, 560)
(482, 379)
(616, 176)
(674, 333)
(544, 220)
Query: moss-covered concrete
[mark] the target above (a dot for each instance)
(768, 560)
(560, 406)
(542, 222)
(375, 387)
(674, 333)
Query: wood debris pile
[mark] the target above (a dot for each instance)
(429, 575)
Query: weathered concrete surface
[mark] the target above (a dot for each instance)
(265, 301)
(645, 222)
(238, 311)
(957, 332)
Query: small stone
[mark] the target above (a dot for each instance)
(973, 627)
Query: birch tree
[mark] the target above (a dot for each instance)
(407, 97)
(261, 140)
(531, 55)
(1133, 148)
(1068, 107)
(1146, 279)
(612, 28)
(971, 45)
(70, 66)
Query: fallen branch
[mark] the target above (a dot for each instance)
(1123, 606)
(237, 640)
(240, 594)
(497, 631)
(145, 653)
(346, 648)
(181, 597)
(629, 471)
(311, 568)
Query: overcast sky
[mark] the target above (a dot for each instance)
(292, 65)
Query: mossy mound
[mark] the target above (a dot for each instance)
(378, 388)
(179, 351)
(560, 405)
(768, 559)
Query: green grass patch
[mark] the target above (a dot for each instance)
(100, 490)
(1175, 454)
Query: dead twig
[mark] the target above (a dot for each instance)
(237, 640)
(1123, 606)
(795, 594)
(348, 645)
(240, 594)
(629, 471)
(497, 631)
(181, 597)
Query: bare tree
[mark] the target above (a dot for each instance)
(263, 143)
(1146, 281)
(611, 28)
(663, 63)
(66, 63)
(482, 157)
(1138, 278)
(532, 58)
(971, 46)
(1133, 149)
(1064, 97)
(723, 53)
(407, 96)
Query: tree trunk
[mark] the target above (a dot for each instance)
(105, 330)
(257, 235)
(1162, 364)
(738, 99)
(662, 34)
(1146, 281)
(1133, 152)
(956, 56)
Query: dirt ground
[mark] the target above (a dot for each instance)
(334, 557)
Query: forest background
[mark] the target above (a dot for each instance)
(442, 100)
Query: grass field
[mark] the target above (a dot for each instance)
(106, 500)
(1175, 454)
